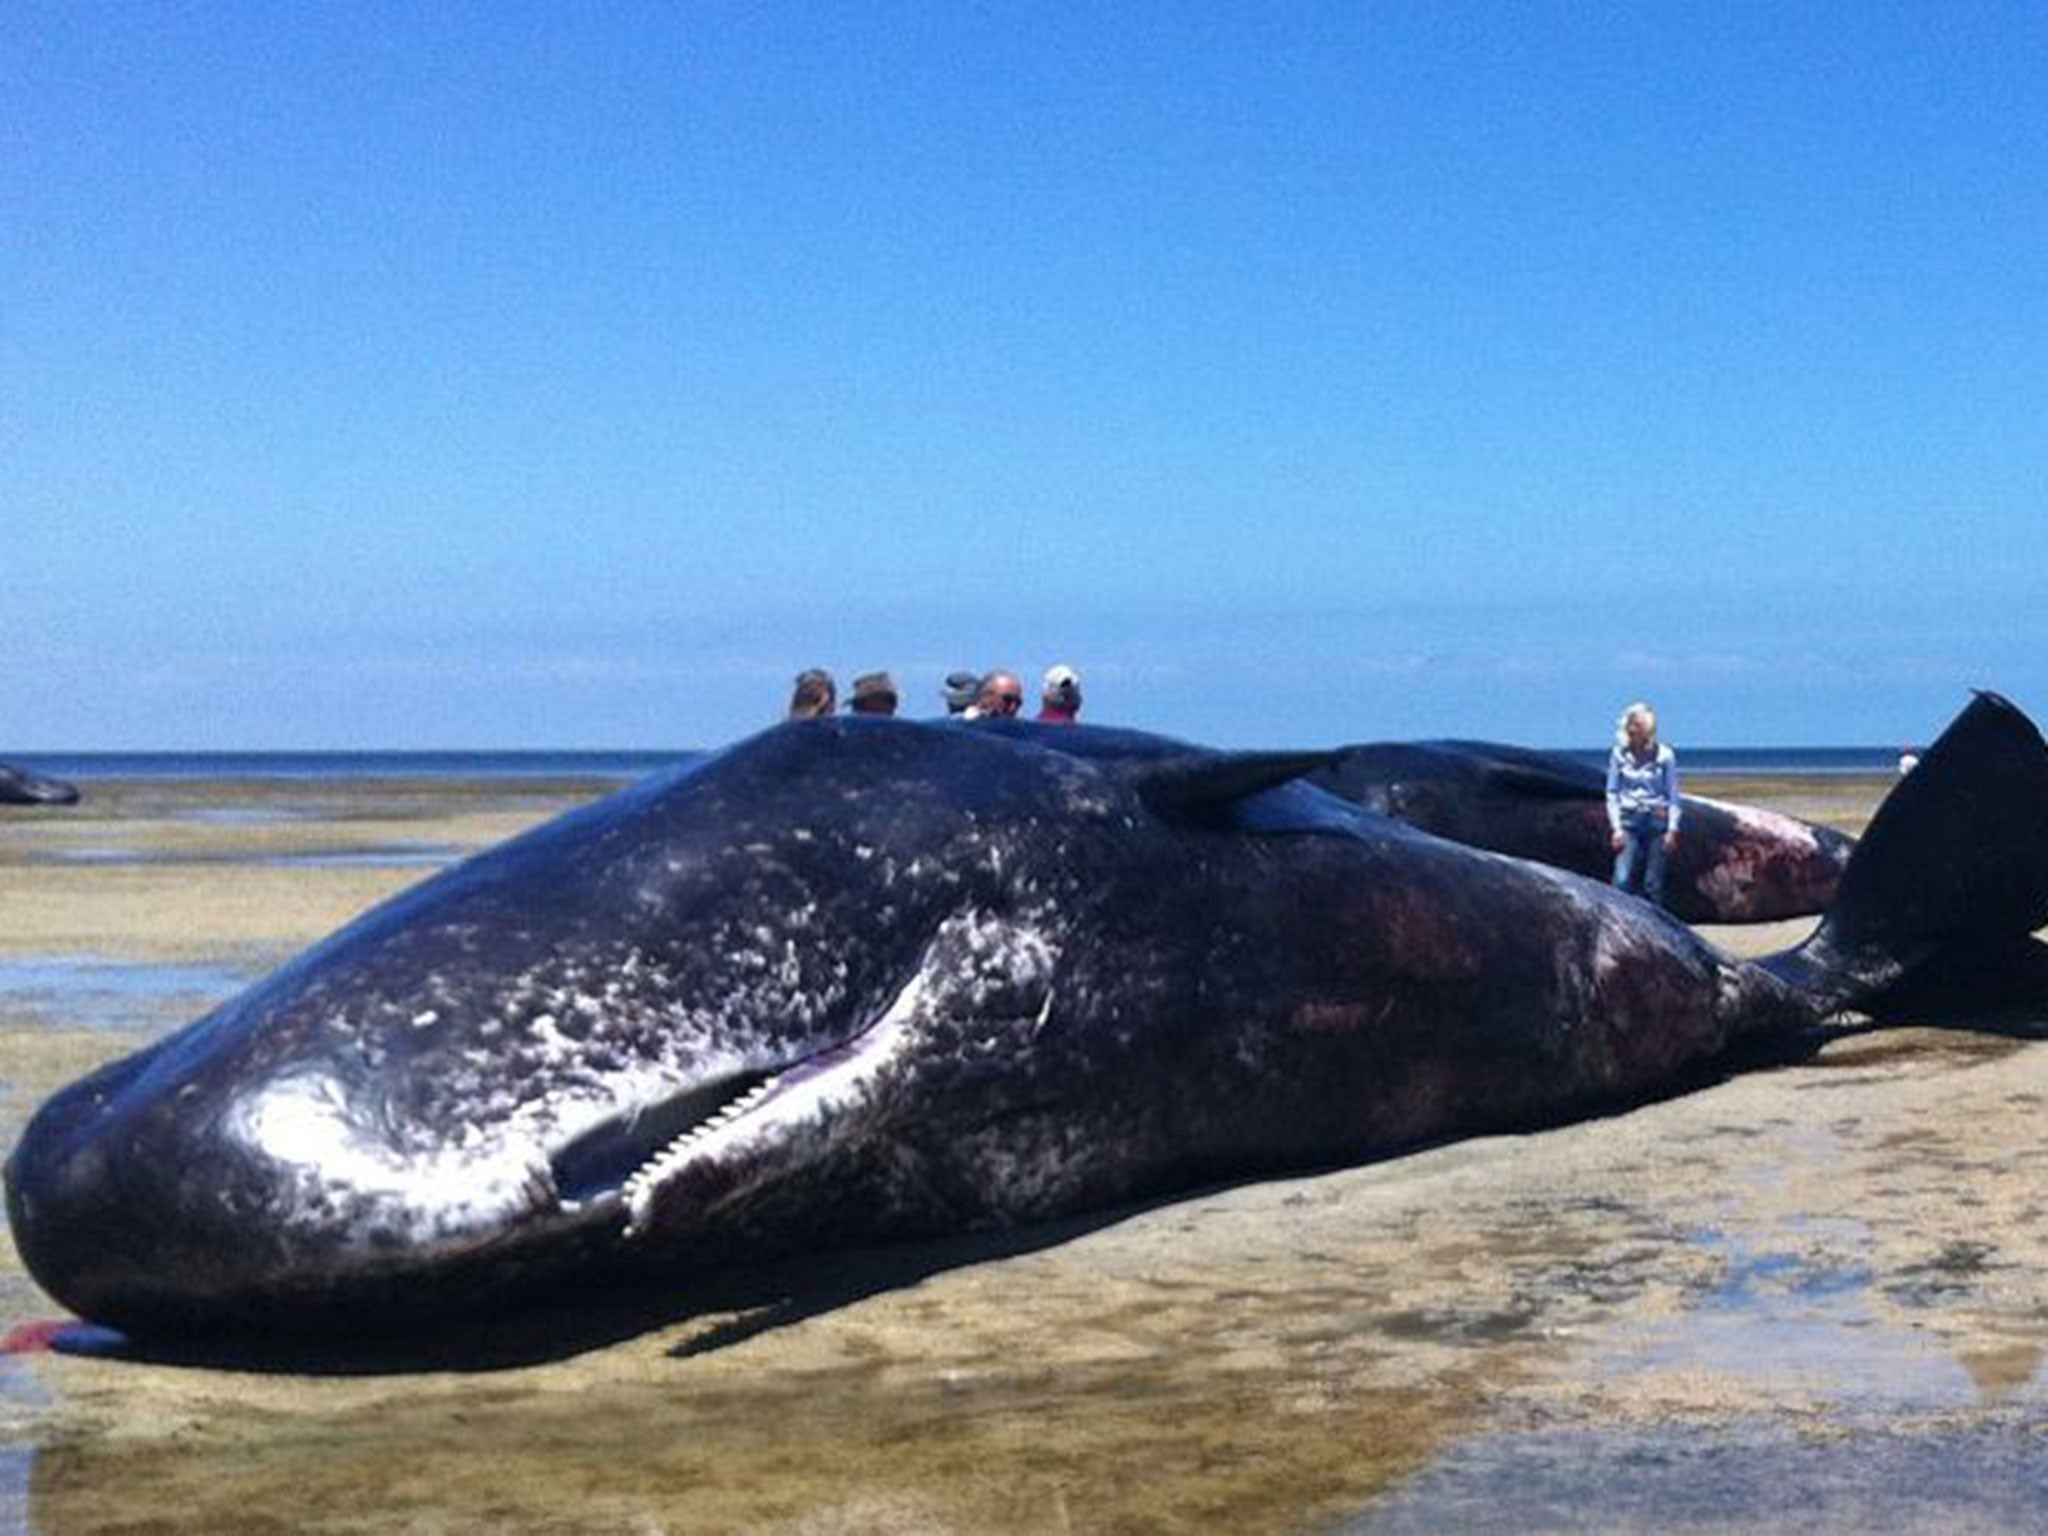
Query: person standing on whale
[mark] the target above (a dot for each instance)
(1060, 700)
(1642, 803)
(816, 695)
(1001, 696)
(874, 693)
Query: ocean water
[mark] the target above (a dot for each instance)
(351, 765)
(636, 762)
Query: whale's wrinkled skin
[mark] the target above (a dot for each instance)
(853, 980)
(21, 786)
(1732, 863)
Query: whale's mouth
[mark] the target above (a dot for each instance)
(727, 1136)
(601, 1160)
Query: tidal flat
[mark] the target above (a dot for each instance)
(1803, 1297)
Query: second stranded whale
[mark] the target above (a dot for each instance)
(855, 980)
(23, 786)
(1733, 863)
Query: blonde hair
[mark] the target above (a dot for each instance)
(1635, 711)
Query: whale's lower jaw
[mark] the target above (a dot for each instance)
(345, 1302)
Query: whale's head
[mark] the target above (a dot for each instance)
(615, 1035)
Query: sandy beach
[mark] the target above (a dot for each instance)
(1801, 1298)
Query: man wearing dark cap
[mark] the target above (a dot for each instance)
(960, 689)
(874, 693)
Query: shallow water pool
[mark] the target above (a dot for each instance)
(97, 993)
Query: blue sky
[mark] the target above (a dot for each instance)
(545, 375)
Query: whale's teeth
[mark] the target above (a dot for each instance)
(638, 1190)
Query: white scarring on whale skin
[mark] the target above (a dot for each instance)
(807, 1097)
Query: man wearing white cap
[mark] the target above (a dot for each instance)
(1061, 697)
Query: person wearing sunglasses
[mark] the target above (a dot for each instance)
(1001, 696)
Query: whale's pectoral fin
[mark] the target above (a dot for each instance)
(1201, 788)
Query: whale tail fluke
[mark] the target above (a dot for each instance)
(1955, 858)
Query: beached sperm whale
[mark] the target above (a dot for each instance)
(866, 979)
(19, 786)
(1733, 863)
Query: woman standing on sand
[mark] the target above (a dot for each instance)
(1642, 803)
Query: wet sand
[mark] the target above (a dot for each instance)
(1803, 1297)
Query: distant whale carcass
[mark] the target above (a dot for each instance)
(864, 979)
(19, 786)
(1732, 864)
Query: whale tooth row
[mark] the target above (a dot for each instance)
(639, 1189)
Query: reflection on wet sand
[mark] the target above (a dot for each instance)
(1123, 1446)
(1225, 1366)
(1809, 1287)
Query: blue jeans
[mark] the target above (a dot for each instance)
(1639, 866)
